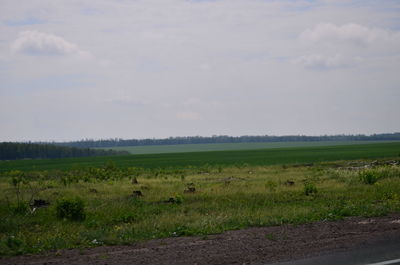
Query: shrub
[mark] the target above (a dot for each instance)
(310, 188)
(271, 185)
(178, 199)
(368, 176)
(70, 209)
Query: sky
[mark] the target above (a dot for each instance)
(75, 69)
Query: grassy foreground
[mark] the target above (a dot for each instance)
(191, 201)
(259, 157)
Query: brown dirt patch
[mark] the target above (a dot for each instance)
(259, 245)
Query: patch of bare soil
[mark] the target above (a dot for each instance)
(259, 245)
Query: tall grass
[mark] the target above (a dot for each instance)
(224, 198)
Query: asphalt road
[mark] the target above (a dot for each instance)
(385, 252)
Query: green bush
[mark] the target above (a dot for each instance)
(368, 176)
(70, 209)
(310, 188)
(178, 199)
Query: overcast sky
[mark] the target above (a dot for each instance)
(73, 69)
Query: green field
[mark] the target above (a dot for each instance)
(294, 155)
(91, 201)
(183, 148)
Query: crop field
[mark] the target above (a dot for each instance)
(259, 157)
(183, 148)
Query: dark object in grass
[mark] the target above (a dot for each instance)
(289, 183)
(137, 194)
(93, 190)
(303, 165)
(175, 200)
(170, 200)
(40, 203)
(190, 190)
(134, 181)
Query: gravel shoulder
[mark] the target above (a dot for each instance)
(260, 245)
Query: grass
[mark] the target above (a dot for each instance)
(196, 193)
(184, 148)
(225, 198)
(259, 157)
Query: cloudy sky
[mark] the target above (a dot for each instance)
(73, 69)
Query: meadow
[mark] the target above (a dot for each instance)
(104, 202)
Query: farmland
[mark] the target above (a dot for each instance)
(184, 148)
(96, 201)
(259, 157)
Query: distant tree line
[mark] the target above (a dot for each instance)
(89, 143)
(13, 151)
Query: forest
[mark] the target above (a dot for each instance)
(13, 151)
(90, 143)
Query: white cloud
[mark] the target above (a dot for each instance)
(317, 61)
(176, 67)
(354, 34)
(39, 43)
(188, 116)
(328, 46)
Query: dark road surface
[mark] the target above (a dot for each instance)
(379, 253)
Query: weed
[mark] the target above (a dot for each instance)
(368, 176)
(271, 185)
(310, 188)
(70, 209)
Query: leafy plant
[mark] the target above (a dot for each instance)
(368, 176)
(25, 190)
(70, 209)
(310, 188)
(17, 181)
